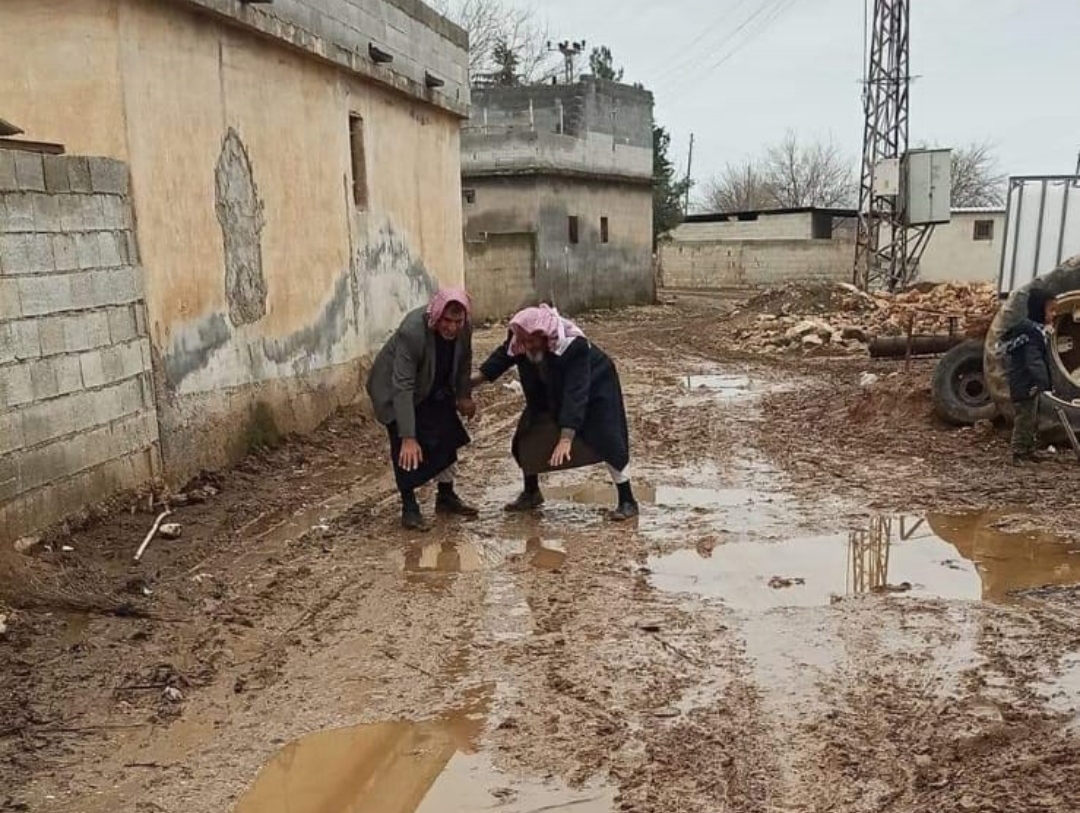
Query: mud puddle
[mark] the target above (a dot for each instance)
(478, 554)
(720, 385)
(947, 557)
(433, 766)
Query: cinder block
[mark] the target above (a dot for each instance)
(88, 249)
(18, 212)
(11, 433)
(93, 370)
(68, 374)
(29, 171)
(16, 385)
(8, 181)
(123, 285)
(51, 333)
(109, 176)
(72, 212)
(109, 252)
(82, 289)
(14, 254)
(10, 307)
(112, 364)
(46, 212)
(43, 378)
(65, 253)
(133, 248)
(50, 419)
(131, 397)
(145, 354)
(140, 318)
(93, 213)
(132, 359)
(113, 212)
(76, 335)
(97, 328)
(7, 344)
(122, 324)
(27, 339)
(56, 174)
(102, 407)
(11, 479)
(79, 174)
(39, 247)
(45, 294)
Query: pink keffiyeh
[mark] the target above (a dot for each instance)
(444, 297)
(543, 319)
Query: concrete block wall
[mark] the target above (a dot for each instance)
(77, 414)
(753, 263)
(500, 273)
(798, 226)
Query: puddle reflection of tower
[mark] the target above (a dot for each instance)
(868, 556)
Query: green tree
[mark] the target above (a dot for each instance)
(669, 193)
(602, 64)
(506, 65)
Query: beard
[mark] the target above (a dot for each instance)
(535, 358)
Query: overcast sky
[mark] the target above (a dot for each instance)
(738, 73)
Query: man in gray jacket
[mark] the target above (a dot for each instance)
(418, 385)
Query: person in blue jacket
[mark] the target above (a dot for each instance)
(1026, 351)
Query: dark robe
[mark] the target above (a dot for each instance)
(439, 430)
(578, 390)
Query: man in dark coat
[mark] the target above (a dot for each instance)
(418, 384)
(1027, 364)
(572, 387)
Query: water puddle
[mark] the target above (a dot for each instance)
(938, 557)
(721, 385)
(406, 767)
(481, 554)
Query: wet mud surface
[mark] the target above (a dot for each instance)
(819, 609)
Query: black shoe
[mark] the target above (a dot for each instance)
(449, 503)
(627, 509)
(413, 520)
(526, 501)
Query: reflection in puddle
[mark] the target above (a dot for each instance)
(726, 386)
(941, 556)
(472, 555)
(404, 767)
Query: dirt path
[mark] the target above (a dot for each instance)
(796, 623)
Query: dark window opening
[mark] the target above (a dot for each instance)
(984, 230)
(359, 162)
(469, 195)
(603, 230)
(572, 229)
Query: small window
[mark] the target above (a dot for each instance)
(359, 162)
(469, 196)
(572, 229)
(984, 230)
(603, 230)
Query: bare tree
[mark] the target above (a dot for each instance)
(787, 175)
(976, 178)
(816, 174)
(738, 188)
(495, 23)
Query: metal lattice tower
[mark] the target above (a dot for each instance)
(886, 251)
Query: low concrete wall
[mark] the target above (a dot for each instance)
(748, 263)
(77, 415)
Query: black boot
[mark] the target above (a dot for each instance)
(529, 499)
(628, 507)
(411, 517)
(448, 502)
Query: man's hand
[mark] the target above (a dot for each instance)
(411, 456)
(478, 380)
(562, 452)
(466, 407)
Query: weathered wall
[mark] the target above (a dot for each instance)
(500, 271)
(264, 280)
(747, 263)
(797, 226)
(77, 420)
(953, 255)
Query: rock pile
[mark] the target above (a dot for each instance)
(845, 319)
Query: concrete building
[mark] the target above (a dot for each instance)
(967, 249)
(557, 195)
(733, 250)
(295, 178)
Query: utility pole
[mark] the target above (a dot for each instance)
(570, 51)
(689, 161)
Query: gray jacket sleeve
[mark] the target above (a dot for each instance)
(403, 381)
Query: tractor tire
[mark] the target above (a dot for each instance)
(961, 396)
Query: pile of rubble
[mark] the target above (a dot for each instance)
(845, 319)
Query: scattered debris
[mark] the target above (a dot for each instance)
(781, 582)
(903, 587)
(3, 624)
(172, 694)
(67, 549)
(151, 534)
(27, 544)
(170, 530)
(867, 380)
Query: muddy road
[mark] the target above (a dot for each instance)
(816, 611)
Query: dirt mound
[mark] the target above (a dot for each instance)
(840, 317)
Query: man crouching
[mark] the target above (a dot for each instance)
(418, 385)
(571, 388)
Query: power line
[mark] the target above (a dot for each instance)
(685, 54)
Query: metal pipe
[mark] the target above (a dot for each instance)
(883, 347)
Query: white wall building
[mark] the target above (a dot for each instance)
(967, 249)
